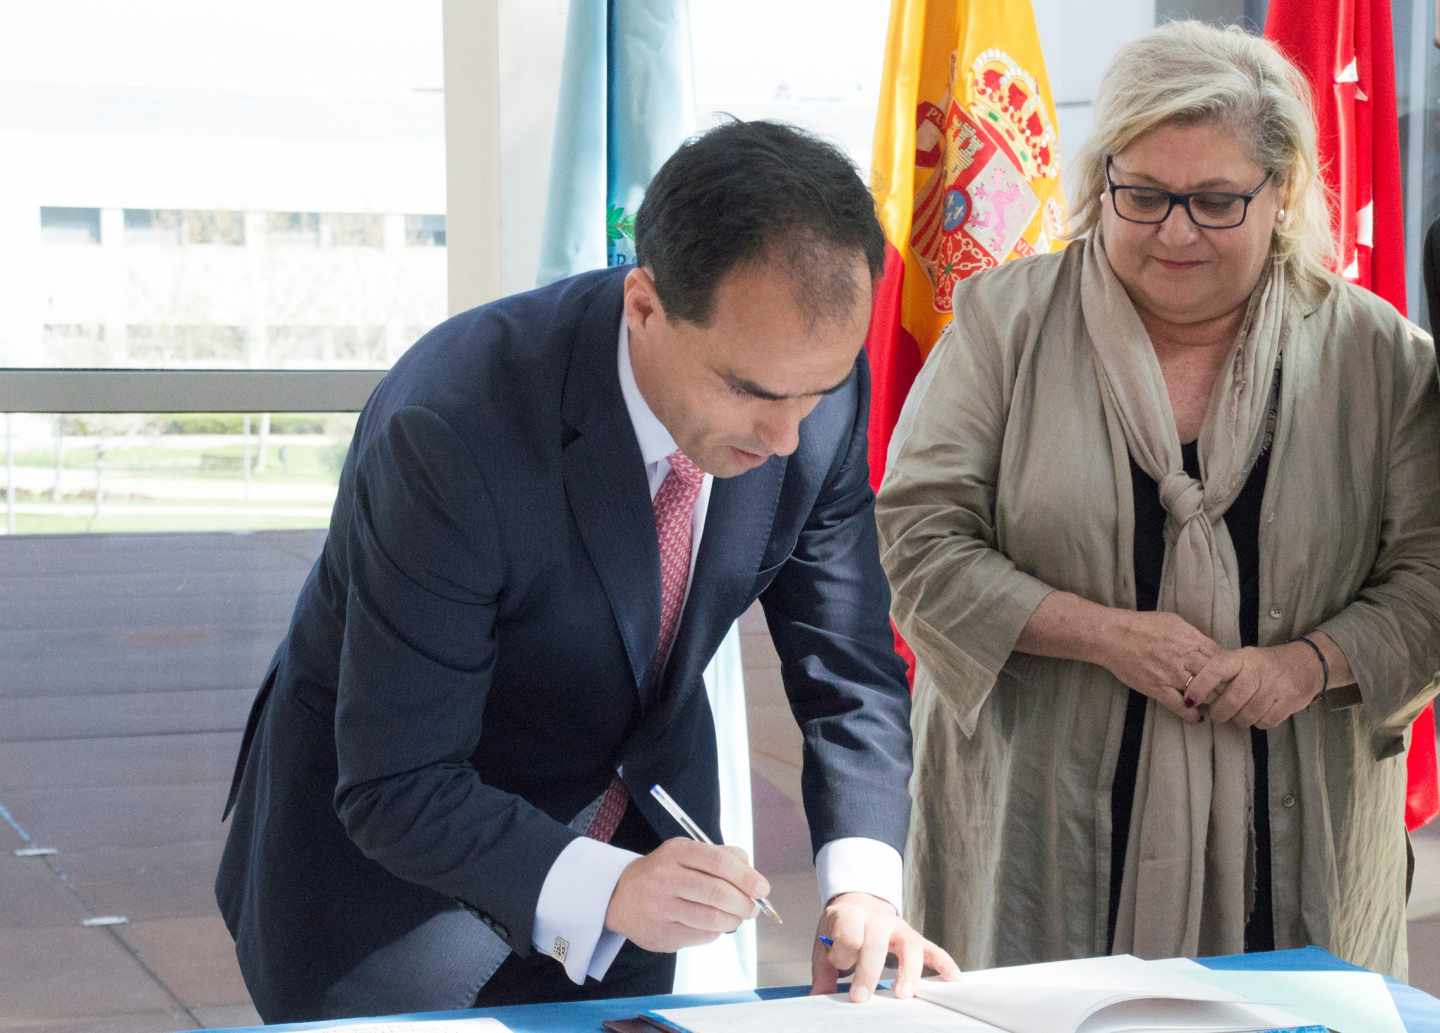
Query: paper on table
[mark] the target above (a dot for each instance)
(832, 1014)
(416, 1026)
(1189, 1017)
(1350, 1002)
(1090, 995)
(1093, 995)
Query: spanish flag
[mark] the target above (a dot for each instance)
(966, 175)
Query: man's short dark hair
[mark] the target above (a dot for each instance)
(756, 191)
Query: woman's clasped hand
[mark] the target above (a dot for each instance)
(1162, 656)
(1256, 687)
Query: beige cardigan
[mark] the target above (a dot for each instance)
(1006, 480)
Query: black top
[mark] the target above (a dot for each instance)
(1243, 521)
(1431, 267)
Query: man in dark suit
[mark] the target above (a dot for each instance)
(553, 508)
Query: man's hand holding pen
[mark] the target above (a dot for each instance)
(684, 893)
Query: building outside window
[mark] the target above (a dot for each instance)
(70, 225)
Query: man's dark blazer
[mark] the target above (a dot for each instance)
(470, 659)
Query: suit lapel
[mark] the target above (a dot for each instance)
(605, 481)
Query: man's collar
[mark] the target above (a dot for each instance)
(655, 441)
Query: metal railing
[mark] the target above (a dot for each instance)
(172, 391)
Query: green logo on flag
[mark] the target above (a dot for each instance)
(619, 235)
(619, 224)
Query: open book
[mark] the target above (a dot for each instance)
(1119, 994)
(414, 1026)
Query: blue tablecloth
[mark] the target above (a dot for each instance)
(1419, 1011)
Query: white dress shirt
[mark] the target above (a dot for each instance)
(570, 913)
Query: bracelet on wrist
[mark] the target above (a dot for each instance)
(1324, 664)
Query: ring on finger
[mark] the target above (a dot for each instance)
(1189, 680)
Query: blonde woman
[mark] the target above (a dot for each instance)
(1162, 523)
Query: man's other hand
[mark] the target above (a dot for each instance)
(864, 929)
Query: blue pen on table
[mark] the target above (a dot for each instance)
(696, 833)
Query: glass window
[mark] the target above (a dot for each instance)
(325, 229)
(425, 230)
(195, 344)
(152, 226)
(292, 228)
(351, 229)
(70, 225)
(75, 344)
(171, 226)
(311, 347)
(212, 228)
(190, 164)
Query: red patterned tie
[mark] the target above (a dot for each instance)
(674, 509)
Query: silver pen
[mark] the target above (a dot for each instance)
(696, 833)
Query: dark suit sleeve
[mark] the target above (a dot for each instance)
(426, 568)
(828, 612)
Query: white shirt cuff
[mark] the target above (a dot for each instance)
(570, 914)
(858, 865)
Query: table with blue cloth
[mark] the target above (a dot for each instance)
(1418, 1010)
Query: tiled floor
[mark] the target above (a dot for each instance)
(126, 667)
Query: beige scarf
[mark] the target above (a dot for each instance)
(1188, 881)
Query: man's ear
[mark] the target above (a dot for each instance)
(642, 300)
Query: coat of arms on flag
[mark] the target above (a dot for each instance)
(974, 206)
(966, 175)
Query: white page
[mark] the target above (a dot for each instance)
(1061, 995)
(415, 1026)
(1120, 994)
(832, 1014)
(1173, 1016)
(1111, 972)
(1350, 1002)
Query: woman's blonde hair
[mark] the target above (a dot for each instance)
(1190, 73)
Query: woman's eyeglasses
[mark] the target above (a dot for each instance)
(1208, 209)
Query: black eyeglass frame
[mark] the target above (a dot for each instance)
(1183, 200)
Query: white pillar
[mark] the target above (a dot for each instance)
(472, 152)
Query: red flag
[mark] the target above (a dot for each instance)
(895, 361)
(1345, 49)
(1422, 795)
